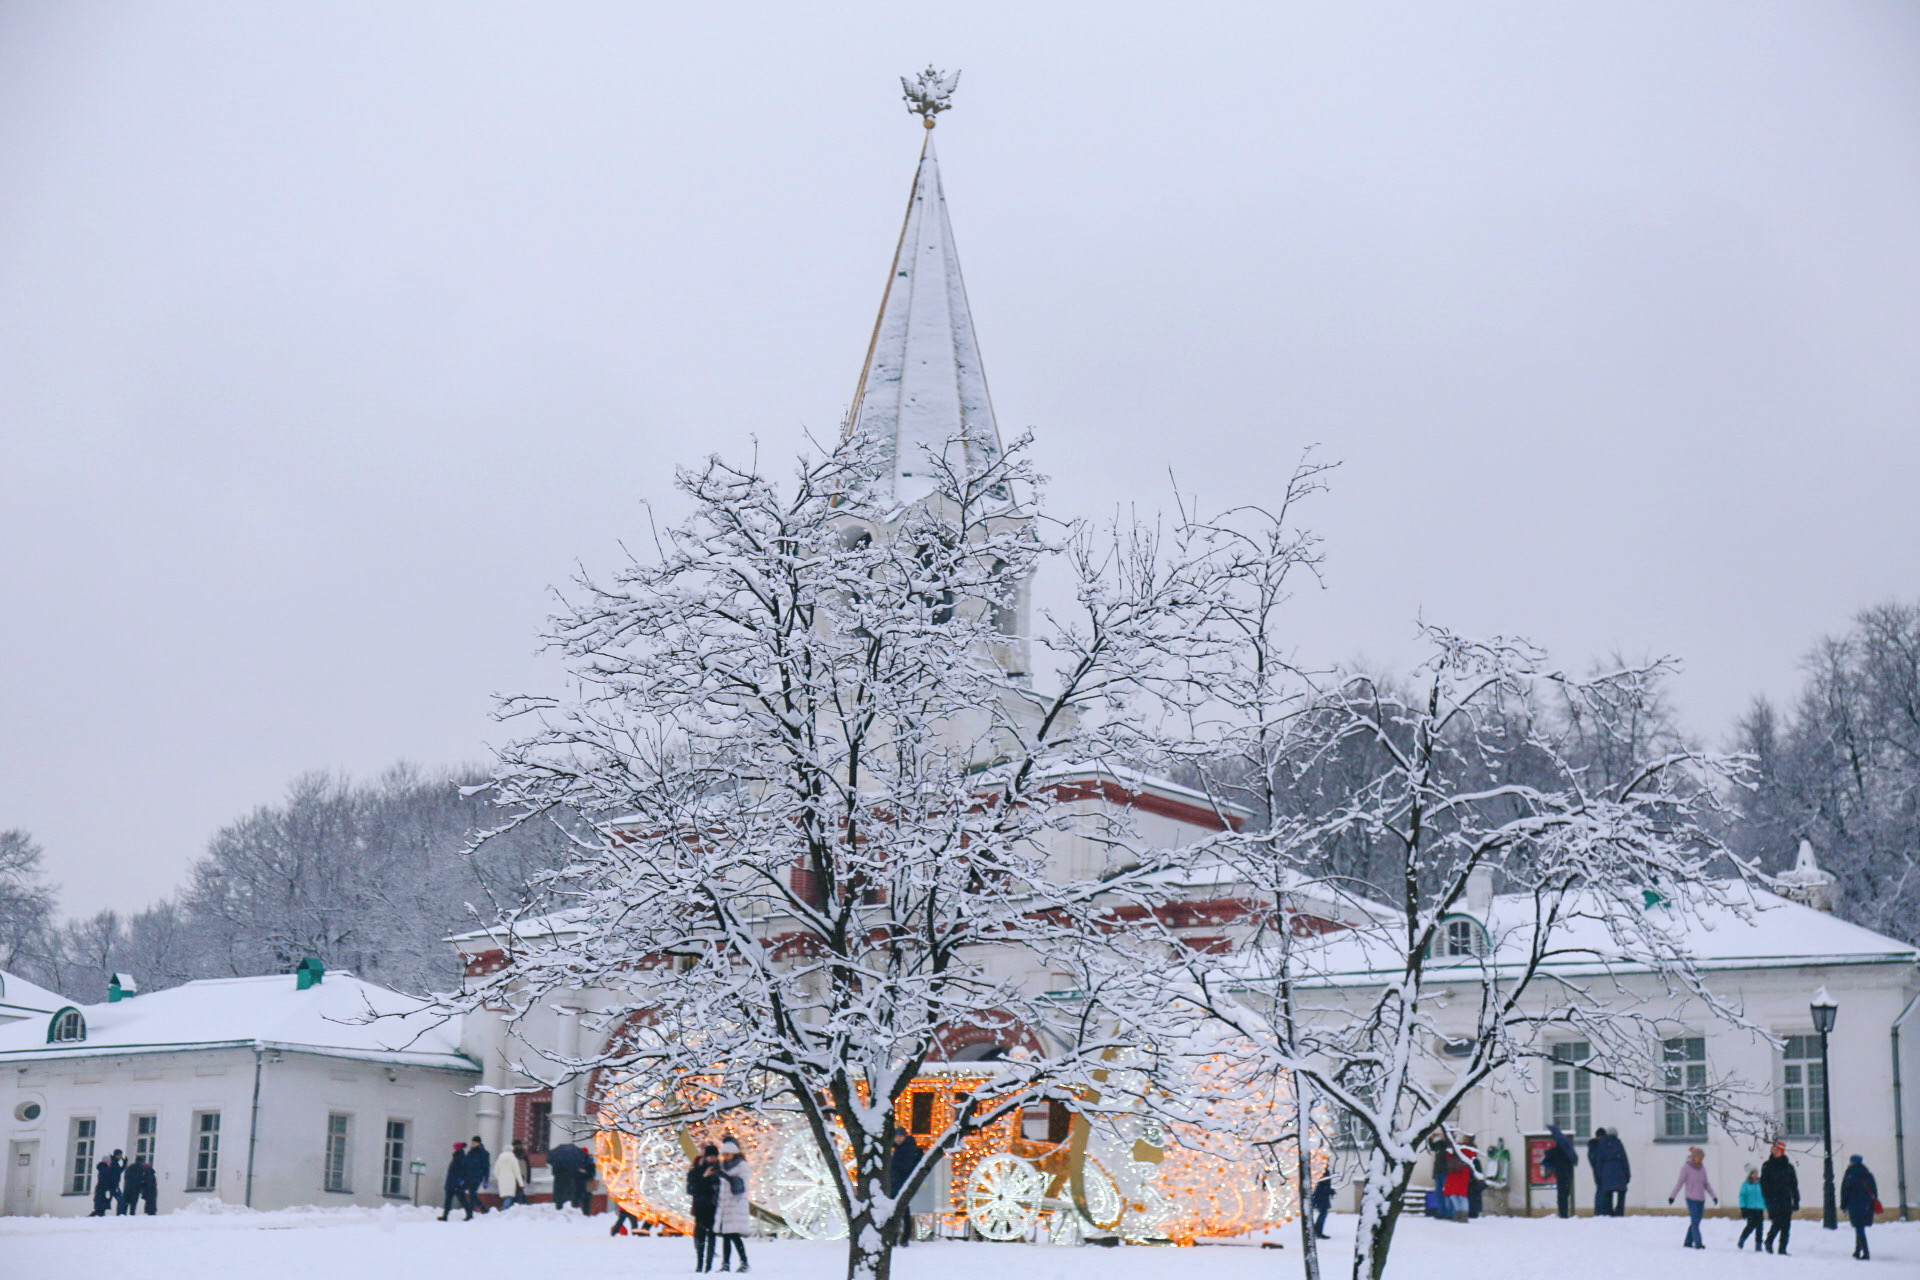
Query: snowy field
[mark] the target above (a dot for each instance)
(363, 1244)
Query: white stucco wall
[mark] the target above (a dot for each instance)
(297, 1092)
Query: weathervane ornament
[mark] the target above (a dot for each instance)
(929, 92)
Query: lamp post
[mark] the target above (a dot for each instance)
(1824, 1012)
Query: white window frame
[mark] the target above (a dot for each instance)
(1680, 1122)
(393, 1158)
(1568, 1079)
(1801, 1074)
(83, 1140)
(336, 1163)
(203, 1165)
(142, 1144)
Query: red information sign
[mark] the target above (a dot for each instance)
(1537, 1147)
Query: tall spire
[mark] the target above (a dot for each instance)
(923, 386)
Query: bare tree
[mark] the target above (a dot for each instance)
(1481, 769)
(840, 813)
(26, 901)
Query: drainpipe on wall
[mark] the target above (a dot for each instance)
(1899, 1124)
(253, 1123)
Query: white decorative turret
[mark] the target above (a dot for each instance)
(923, 384)
(1806, 883)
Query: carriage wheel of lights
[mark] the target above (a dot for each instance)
(1102, 1196)
(1003, 1197)
(804, 1192)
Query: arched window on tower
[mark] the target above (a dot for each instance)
(940, 602)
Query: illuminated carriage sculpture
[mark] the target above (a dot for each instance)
(1129, 1177)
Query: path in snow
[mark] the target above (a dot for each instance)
(364, 1244)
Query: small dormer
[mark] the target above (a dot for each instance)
(121, 986)
(67, 1026)
(308, 973)
(1459, 937)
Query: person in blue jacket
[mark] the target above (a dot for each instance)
(1561, 1160)
(1859, 1200)
(1322, 1205)
(1753, 1207)
(901, 1162)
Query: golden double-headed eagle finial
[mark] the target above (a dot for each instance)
(929, 93)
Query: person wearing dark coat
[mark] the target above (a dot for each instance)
(1859, 1200)
(901, 1162)
(1322, 1205)
(479, 1170)
(1607, 1158)
(139, 1183)
(572, 1170)
(106, 1183)
(1561, 1160)
(703, 1189)
(1780, 1188)
(458, 1192)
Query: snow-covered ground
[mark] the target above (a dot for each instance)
(364, 1244)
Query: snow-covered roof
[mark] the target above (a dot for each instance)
(1774, 932)
(20, 998)
(336, 1016)
(923, 384)
(544, 926)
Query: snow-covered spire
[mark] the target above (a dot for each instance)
(1807, 883)
(923, 385)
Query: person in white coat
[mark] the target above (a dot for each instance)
(734, 1218)
(511, 1175)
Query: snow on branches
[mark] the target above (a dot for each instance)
(830, 800)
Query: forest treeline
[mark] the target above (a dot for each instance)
(372, 876)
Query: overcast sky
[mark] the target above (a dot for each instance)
(331, 335)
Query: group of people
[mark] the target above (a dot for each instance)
(1606, 1158)
(719, 1186)
(471, 1168)
(1769, 1196)
(119, 1187)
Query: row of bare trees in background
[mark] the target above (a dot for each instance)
(372, 875)
(369, 876)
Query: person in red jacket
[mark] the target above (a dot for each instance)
(1459, 1183)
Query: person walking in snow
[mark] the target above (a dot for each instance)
(1561, 1160)
(1753, 1207)
(1322, 1205)
(901, 1162)
(703, 1189)
(1859, 1200)
(1780, 1188)
(1692, 1183)
(734, 1217)
(510, 1175)
(458, 1192)
(479, 1170)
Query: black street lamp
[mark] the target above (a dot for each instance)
(1824, 1012)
